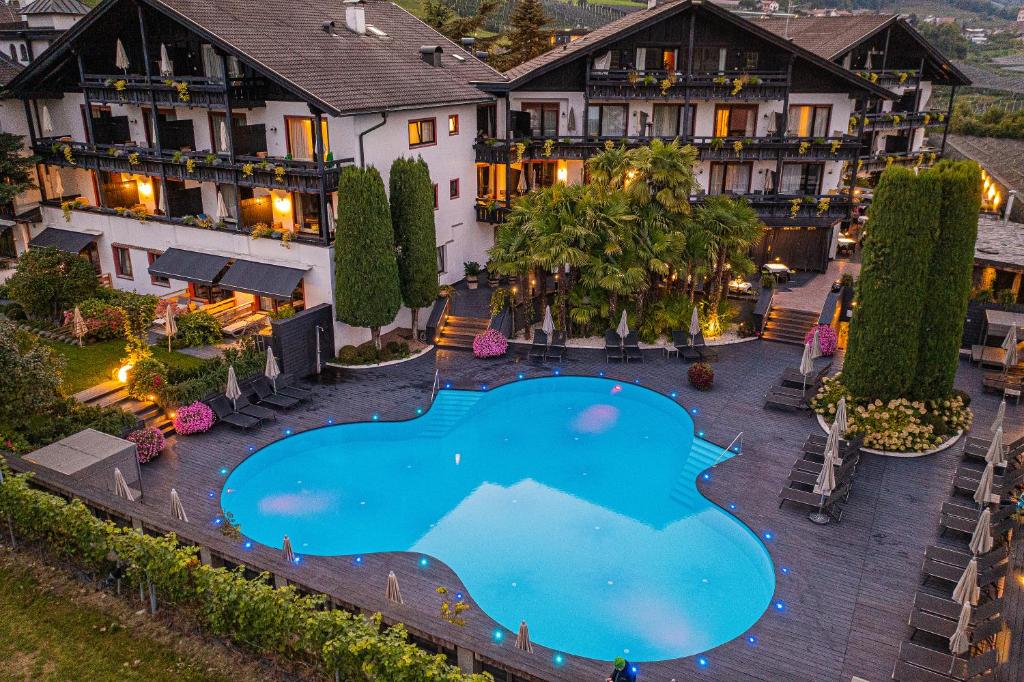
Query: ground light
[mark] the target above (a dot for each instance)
(520, 376)
(558, 659)
(779, 605)
(223, 471)
(424, 562)
(419, 410)
(693, 410)
(768, 535)
(785, 570)
(498, 635)
(287, 432)
(375, 416)
(751, 640)
(330, 420)
(247, 544)
(358, 561)
(702, 662)
(706, 476)
(673, 394)
(732, 506)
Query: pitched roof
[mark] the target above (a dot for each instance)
(9, 14)
(826, 37)
(8, 69)
(1001, 157)
(55, 7)
(635, 21)
(342, 72)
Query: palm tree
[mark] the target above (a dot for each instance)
(512, 254)
(662, 172)
(731, 227)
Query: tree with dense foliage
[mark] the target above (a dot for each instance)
(946, 38)
(948, 281)
(970, 117)
(524, 36)
(412, 216)
(445, 19)
(366, 285)
(882, 359)
(48, 281)
(15, 168)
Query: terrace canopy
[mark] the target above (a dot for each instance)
(998, 322)
(65, 240)
(189, 266)
(90, 456)
(262, 279)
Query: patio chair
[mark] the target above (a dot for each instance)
(705, 351)
(791, 376)
(631, 347)
(225, 413)
(265, 395)
(919, 663)
(243, 406)
(945, 607)
(285, 384)
(681, 342)
(539, 347)
(613, 346)
(799, 494)
(556, 351)
(782, 399)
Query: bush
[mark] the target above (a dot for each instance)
(139, 309)
(147, 378)
(701, 376)
(827, 338)
(348, 355)
(48, 282)
(149, 442)
(102, 320)
(283, 312)
(394, 350)
(196, 328)
(490, 344)
(366, 353)
(187, 386)
(194, 418)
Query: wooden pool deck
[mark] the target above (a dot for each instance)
(845, 589)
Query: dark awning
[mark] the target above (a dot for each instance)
(65, 240)
(191, 266)
(262, 279)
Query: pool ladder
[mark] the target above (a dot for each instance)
(435, 386)
(737, 440)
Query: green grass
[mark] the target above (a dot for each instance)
(91, 365)
(46, 635)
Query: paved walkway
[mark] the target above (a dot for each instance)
(847, 589)
(811, 294)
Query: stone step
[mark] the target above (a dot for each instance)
(795, 339)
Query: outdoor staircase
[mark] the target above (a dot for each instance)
(450, 407)
(788, 325)
(114, 394)
(458, 332)
(702, 456)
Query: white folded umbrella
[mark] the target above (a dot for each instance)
(694, 324)
(523, 638)
(967, 590)
(981, 538)
(47, 121)
(815, 344)
(177, 509)
(286, 547)
(232, 390)
(826, 481)
(271, 370)
(807, 362)
(57, 183)
(121, 57)
(959, 641)
(223, 136)
(548, 325)
(393, 594)
(983, 495)
(166, 65)
(841, 416)
(121, 488)
(170, 324)
(78, 326)
(997, 423)
(623, 328)
(222, 208)
(994, 455)
(1010, 346)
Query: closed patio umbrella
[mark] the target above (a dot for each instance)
(959, 641)
(548, 326)
(222, 208)
(121, 488)
(523, 638)
(997, 423)
(981, 538)
(994, 455)
(983, 495)
(571, 127)
(1010, 348)
(78, 326)
(170, 325)
(166, 65)
(694, 325)
(271, 370)
(286, 547)
(832, 442)
(623, 328)
(232, 391)
(223, 136)
(58, 184)
(807, 362)
(825, 483)
(47, 121)
(121, 57)
(815, 344)
(177, 509)
(841, 416)
(393, 594)
(967, 590)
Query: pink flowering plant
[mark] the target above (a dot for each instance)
(827, 338)
(490, 344)
(194, 418)
(149, 442)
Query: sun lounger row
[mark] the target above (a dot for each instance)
(622, 349)
(692, 348)
(795, 390)
(803, 478)
(244, 414)
(541, 349)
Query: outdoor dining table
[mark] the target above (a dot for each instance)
(781, 270)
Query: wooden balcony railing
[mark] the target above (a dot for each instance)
(922, 158)
(660, 85)
(270, 172)
(902, 120)
(840, 148)
(192, 91)
(891, 78)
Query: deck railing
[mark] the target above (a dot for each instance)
(191, 91)
(902, 120)
(661, 84)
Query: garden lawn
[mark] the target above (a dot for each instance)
(91, 365)
(53, 628)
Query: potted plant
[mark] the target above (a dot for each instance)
(472, 270)
(492, 275)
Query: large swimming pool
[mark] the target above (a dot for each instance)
(570, 502)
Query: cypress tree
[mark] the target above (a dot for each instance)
(881, 361)
(366, 290)
(412, 215)
(948, 281)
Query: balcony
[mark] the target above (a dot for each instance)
(269, 172)
(891, 78)
(626, 84)
(491, 212)
(190, 91)
(922, 158)
(766, 148)
(902, 120)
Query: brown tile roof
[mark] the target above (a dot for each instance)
(1003, 158)
(343, 72)
(55, 7)
(827, 37)
(8, 69)
(8, 13)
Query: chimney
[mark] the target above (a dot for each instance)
(431, 54)
(482, 55)
(355, 16)
(651, 4)
(467, 42)
(328, 27)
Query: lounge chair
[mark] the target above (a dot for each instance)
(935, 570)
(681, 341)
(706, 352)
(945, 607)
(843, 471)
(960, 559)
(631, 347)
(539, 348)
(779, 398)
(809, 498)
(791, 376)
(286, 384)
(955, 521)
(940, 626)
(918, 663)
(243, 406)
(613, 346)
(976, 448)
(225, 413)
(556, 350)
(265, 396)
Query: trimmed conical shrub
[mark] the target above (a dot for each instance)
(412, 215)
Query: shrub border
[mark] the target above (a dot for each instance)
(945, 445)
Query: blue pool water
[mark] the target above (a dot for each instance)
(569, 502)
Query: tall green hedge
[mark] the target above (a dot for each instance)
(366, 289)
(881, 361)
(280, 622)
(412, 216)
(948, 282)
